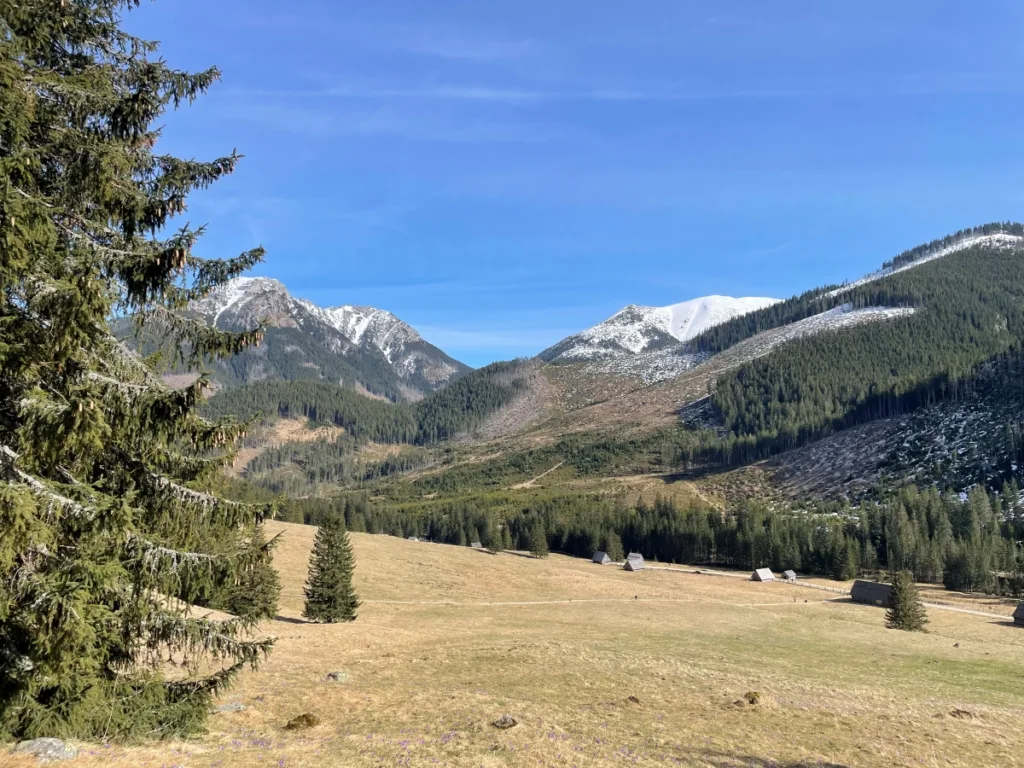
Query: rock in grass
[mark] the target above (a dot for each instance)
(505, 722)
(47, 750)
(752, 698)
(303, 721)
(341, 676)
(231, 706)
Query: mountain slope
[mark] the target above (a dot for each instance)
(638, 329)
(358, 347)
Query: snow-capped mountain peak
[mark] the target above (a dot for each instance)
(637, 329)
(343, 330)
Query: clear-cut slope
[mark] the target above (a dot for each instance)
(374, 348)
(638, 329)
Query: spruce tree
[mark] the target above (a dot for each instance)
(105, 517)
(906, 611)
(538, 539)
(330, 596)
(495, 538)
(255, 591)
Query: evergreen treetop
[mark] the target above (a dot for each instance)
(104, 516)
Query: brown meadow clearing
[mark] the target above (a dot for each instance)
(601, 667)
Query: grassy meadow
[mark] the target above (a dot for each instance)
(601, 667)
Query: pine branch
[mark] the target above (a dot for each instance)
(8, 458)
(219, 639)
(155, 557)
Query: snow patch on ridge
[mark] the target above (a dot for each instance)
(1000, 239)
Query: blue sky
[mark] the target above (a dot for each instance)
(503, 173)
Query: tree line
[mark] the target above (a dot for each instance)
(967, 543)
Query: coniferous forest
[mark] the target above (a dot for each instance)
(458, 407)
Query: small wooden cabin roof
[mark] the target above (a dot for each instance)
(763, 574)
(871, 593)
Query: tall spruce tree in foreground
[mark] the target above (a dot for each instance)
(330, 596)
(106, 530)
(906, 611)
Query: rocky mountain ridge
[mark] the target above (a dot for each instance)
(362, 347)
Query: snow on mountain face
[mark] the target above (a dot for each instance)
(246, 301)
(998, 240)
(638, 329)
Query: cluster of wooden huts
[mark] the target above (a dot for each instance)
(865, 592)
(634, 561)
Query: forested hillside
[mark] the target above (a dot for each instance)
(458, 407)
(813, 302)
(968, 308)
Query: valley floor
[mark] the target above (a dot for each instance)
(449, 639)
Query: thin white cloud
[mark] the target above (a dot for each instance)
(390, 122)
(911, 85)
(459, 46)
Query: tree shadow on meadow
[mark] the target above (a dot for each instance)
(730, 760)
(291, 619)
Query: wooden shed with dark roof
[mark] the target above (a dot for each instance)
(635, 562)
(1018, 615)
(871, 593)
(601, 558)
(762, 574)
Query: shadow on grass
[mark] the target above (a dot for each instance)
(1007, 623)
(727, 760)
(291, 620)
(527, 555)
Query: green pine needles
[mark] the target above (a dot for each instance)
(108, 531)
(330, 596)
(906, 611)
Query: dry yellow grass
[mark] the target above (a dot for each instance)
(448, 639)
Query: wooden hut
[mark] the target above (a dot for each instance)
(477, 545)
(601, 558)
(762, 574)
(871, 593)
(789, 575)
(635, 562)
(1018, 615)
